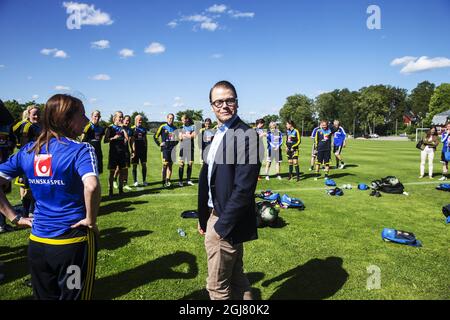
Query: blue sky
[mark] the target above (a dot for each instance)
(269, 49)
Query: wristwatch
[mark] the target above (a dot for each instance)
(16, 219)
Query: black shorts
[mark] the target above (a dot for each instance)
(323, 157)
(120, 160)
(4, 154)
(292, 154)
(443, 160)
(168, 155)
(63, 272)
(187, 154)
(139, 156)
(337, 149)
(99, 155)
(275, 155)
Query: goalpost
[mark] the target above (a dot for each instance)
(421, 130)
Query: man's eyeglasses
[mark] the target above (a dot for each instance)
(230, 102)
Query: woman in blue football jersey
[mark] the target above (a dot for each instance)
(63, 177)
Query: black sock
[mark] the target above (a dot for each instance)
(2, 220)
(291, 167)
(180, 173)
(135, 174)
(337, 163)
(115, 179)
(297, 171)
(189, 172)
(164, 174)
(144, 173)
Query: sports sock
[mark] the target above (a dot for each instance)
(26, 203)
(180, 173)
(164, 174)
(144, 173)
(189, 172)
(291, 167)
(297, 171)
(135, 174)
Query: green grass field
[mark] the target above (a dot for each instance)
(321, 253)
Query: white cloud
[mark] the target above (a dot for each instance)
(89, 15)
(402, 60)
(60, 54)
(196, 18)
(155, 48)
(147, 104)
(48, 52)
(126, 53)
(2, 66)
(55, 52)
(61, 88)
(217, 56)
(217, 8)
(173, 24)
(237, 14)
(100, 44)
(93, 100)
(101, 77)
(210, 26)
(178, 102)
(424, 63)
(35, 97)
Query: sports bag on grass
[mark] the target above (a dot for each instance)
(401, 237)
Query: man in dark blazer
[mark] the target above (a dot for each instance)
(226, 202)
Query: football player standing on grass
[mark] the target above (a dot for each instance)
(445, 138)
(165, 139)
(339, 142)
(93, 133)
(117, 138)
(206, 137)
(139, 150)
(323, 147)
(293, 141)
(274, 142)
(313, 150)
(63, 176)
(186, 137)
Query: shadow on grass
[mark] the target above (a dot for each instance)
(122, 206)
(114, 238)
(117, 285)
(253, 278)
(279, 223)
(315, 280)
(131, 194)
(16, 263)
(340, 175)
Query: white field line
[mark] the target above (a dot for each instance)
(279, 190)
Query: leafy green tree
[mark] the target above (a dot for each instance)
(372, 107)
(15, 108)
(440, 101)
(419, 99)
(270, 118)
(195, 115)
(299, 108)
(145, 120)
(327, 105)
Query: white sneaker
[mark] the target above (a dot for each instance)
(115, 185)
(279, 177)
(136, 184)
(127, 187)
(180, 184)
(190, 183)
(315, 179)
(431, 177)
(443, 178)
(420, 177)
(342, 166)
(267, 178)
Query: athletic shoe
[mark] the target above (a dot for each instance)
(127, 187)
(443, 178)
(190, 183)
(180, 184)
(316, 178)
(342, 166)
(311, 169)
(267, 178)
(145, 184)
(115, 185)
(420, 177)
(136, 184)
(168, 184)
(279, 177)
(431, 177)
